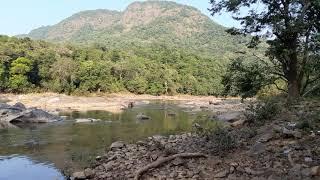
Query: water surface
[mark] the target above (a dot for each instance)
(49, 150)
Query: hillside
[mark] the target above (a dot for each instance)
(142, 24)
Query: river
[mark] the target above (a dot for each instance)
(49, 151)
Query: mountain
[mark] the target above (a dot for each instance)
(142, 24)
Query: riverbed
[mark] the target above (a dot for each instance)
(49, 151)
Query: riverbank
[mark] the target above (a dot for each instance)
(115, 103)
(280, 148)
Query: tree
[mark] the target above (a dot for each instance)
(19, 74)
(291, 28)
(63, 75)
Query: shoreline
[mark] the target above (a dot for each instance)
(114, 103)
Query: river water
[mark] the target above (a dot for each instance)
(49, 151)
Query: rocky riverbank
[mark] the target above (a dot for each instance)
(279, 149)
(116, 103)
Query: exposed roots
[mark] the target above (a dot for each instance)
(161, 161)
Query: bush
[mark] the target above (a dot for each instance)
(222, 140)
(219, 138)
(259, 113)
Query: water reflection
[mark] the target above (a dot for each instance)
(21, 167)
(71, 146)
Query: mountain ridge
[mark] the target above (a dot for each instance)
(143, 23)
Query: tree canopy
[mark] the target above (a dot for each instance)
(28, 66)
(291, 29)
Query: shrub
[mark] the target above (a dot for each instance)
(219, 138)
(259, 113)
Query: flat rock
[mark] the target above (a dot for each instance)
(78, 175)
(143, 117)
(89, 120)
(117, 145)
(291, 133)
(315, 171)
(229, 117)
(221, 174)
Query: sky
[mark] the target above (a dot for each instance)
(21, 16)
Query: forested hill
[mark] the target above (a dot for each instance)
(142, 24)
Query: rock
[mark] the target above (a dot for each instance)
(248, 170)
(89, 120)
(234, 164)
(78, 175)
(307, 159)
(154, 157)
(19, 105)
(108, 166)
(130, 105)
(40, 116)
(232, 169)
(229, 117)
(143, 117)
(178, 161)
(204, 107)
(266, 137)
(315, 171)
(291, 133)
(238, 123)
(98, 158)
(89, 173)
(306, 172)
(257, 148)
(117, 145)
(221, 174)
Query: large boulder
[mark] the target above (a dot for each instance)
(39, 116)
(20, 106)
(20, 114)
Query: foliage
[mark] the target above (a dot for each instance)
(19, 70)
(291, 28)
(223, 140)
(245, 79)
(259, 112)
(27, 66)
(177, 26)
(220, 139)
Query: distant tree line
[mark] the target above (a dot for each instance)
(37, 66)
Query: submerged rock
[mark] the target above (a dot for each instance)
(89, 120)
(143, 117)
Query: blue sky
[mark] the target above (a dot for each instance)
(21, 16)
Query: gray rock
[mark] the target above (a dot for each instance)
(143, 117)
(229, 117)
(291, 133)
(117, 145)
(108, 166)
(89, 173)
(315, 171)
(257, 149)
(19, 105)
(178, 161)
(78, 175)
(89, 120)
(221, 174)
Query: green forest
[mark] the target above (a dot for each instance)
(35, 66)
